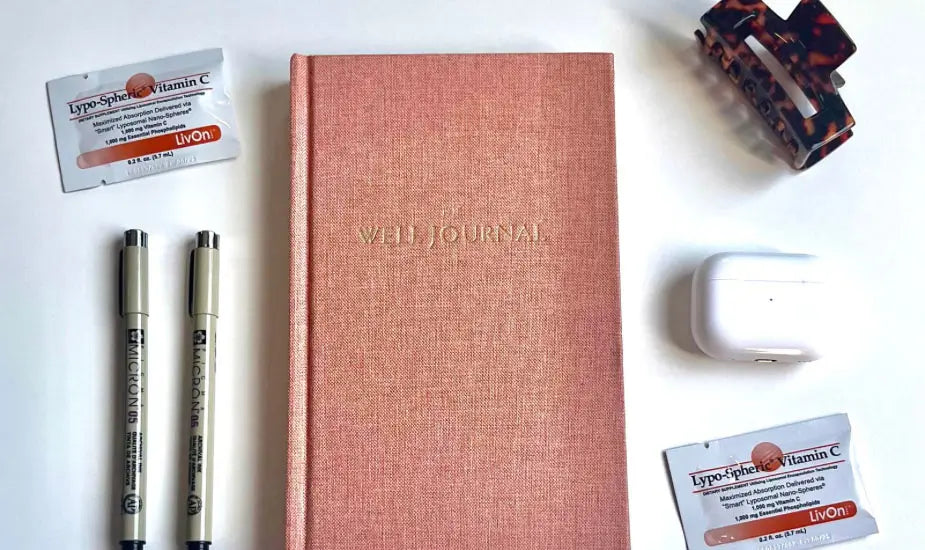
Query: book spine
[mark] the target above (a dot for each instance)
(299, 371)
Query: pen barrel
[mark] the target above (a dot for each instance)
(134, 280)
(135, 421)
(204, 281)
(201, 429)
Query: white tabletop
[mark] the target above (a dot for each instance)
(697, 175)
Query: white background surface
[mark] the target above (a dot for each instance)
(697, 175)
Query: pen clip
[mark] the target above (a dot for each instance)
(189, 294)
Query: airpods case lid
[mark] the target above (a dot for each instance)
(757, 267)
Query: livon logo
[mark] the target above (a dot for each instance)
(773, 528)
(138, 88)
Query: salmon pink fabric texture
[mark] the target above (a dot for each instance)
(456, 377)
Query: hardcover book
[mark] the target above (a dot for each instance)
(455, 375)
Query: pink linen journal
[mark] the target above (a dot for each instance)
(455, 375)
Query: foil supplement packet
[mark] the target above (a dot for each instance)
(790, 487)
(132, 121)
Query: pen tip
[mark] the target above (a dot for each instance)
(136, 237)
(207, 239)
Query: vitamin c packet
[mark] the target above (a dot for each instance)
(127, 122)
(793, 486)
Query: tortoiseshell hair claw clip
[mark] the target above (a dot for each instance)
(810, 45)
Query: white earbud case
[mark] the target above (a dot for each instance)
(762, 307)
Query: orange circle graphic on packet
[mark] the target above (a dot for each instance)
(767, 457)
(140, 85)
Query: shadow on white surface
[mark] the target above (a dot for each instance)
(183, 366)
(272, 322)
(677, 312)
(111, 507)
(674, 495)
(673, 307)
(707, 108)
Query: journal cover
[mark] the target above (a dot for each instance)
(455, 366)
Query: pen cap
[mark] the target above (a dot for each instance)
(204, 275)
(134, 273)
